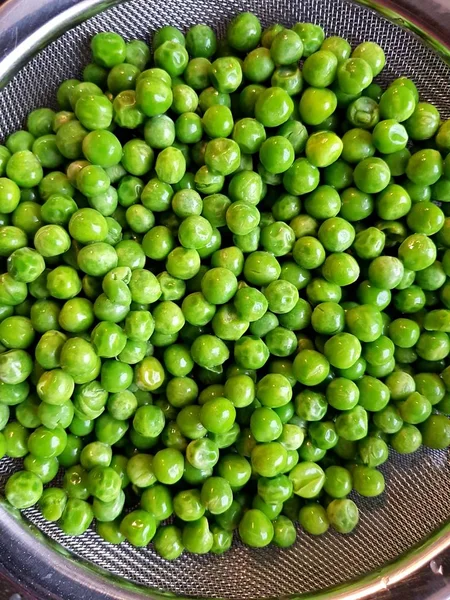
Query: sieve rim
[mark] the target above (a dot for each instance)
(26, 554)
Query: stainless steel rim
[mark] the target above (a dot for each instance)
(26, 555)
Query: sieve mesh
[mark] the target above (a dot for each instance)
(417, 498)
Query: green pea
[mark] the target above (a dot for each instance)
(352, 424)
(23, 489)
(138, 527)
(397, 102)
(255, 529)
(343, 515)
(313, 518)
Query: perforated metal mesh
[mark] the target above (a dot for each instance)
(417, 498)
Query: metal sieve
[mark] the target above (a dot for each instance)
(416, 504)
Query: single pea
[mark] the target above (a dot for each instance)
(357, 144)
(168, 542)
(340, 268)
(425, 167)
(251, 352)
(342, 394)
(258, 65)
(285, 533)
(240, 389)
(208, 181)
(138, 527)
(338, 45)
(202, 453)
(196, 536)
(425, 219)
(385, 272)
(404, 332)
(23, 489)
(167, 33)
(389, 136)
(353, 75)
(52, 503)
(433, 345)
(400, 385)
(319, 69)
(218, 415)
(367, 481)
(171, 56)
(336, 234)
(296, 133)
(417, 252)
(319, 290)
(397, 102)
(127, 112)
(415, 409)
(410, 299)
(11, 238)
(323, 148)
(15, 366)
(139, 470)
(310, 367)
(313, 518)
(16, 439)
(308, 479)
(338, 482)
(373, 394)
(269, 459)
(371, 53)
(9, 195)
(25, 265)
(226, 74)
(244, 32)
(436, 320)
(311, 35)
(273, 107)
(316, 105)
(216, 495)
(371, 175)
(373, 451)
(276, 154)
(212, 97)
(355, 204)
(424, 121)
(168, 465)
(436, 432)
(363, 112)
(137, 53)
(323, 202)
(352, 424)
(108, 49)
(407, 440)
(153, 96)
(201, 41)
(157, 500)
(290, 79)
(24, 169)
(286, 47)
(255, 529)
(308, 253)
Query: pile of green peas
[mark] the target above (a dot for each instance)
(226, 288)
